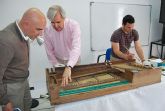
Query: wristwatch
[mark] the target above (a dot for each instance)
(69, 66)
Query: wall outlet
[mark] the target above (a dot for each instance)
(31, 88)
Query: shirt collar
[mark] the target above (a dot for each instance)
(23, 36)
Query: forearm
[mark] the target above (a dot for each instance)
(49, 48)
(50, 54)
(75, 52)
(52, 59)
(121, 55)
(140, 54)
(76, 45)
(73, 59)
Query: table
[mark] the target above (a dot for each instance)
(146, 98)
(160, 44)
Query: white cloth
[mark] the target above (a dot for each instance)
(147, 98)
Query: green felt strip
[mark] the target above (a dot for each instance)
(91, 88)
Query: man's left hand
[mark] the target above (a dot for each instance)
(8, 107)
(66, 78)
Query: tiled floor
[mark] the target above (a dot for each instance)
(44, 105)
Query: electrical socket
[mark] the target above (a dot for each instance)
(31, 88)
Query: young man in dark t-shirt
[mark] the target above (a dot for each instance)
(122, 38)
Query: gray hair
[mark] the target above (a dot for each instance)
(53, 11)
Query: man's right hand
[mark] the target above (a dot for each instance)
(8, 107)
(130, 56)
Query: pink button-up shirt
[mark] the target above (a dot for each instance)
(65, 45)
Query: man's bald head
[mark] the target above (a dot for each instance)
(33, 14)
(32, 22)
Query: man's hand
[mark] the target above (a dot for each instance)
(129, 56)
(146, 63)
(8, 107)
(66, 76)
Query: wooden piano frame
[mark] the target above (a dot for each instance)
(135, 79)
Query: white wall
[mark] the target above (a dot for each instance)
(10, 10)
(156, 27)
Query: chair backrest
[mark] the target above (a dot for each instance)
(108, 54)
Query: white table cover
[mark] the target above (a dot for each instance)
(147, 98)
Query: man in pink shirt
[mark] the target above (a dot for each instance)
(62, 41)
